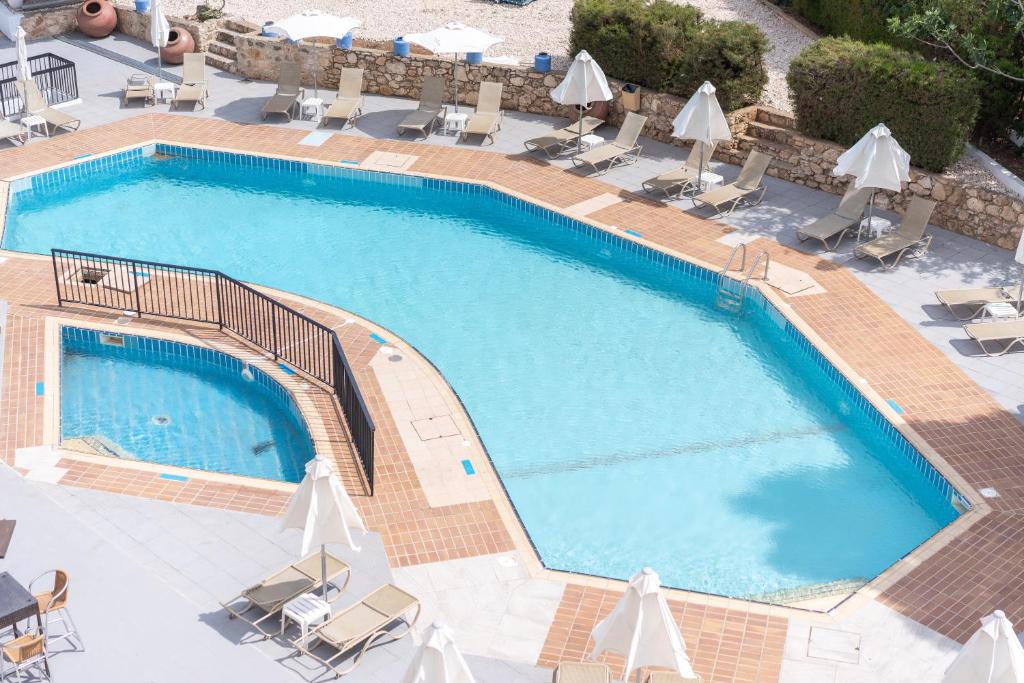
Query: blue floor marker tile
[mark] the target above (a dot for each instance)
(40, 388)
(287, 369)
(634, 233)
(173, 477)
(468, 466)
(379, 339)
(895, 406)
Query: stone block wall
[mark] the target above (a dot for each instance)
(49, 23)
(136, 25)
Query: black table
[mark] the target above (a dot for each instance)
(16, 603)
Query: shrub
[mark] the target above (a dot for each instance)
(861, 19)
(671, 48)
(841, 88)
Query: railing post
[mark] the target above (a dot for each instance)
(138, 295)
(56, 278)
(273, 327)
(220, 305)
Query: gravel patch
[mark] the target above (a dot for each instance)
(541, 25)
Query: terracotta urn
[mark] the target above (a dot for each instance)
(597, 110)
(96, 18)
(179, 41)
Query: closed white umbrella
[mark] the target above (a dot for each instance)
(583, 84)
(314, 24)
(438, 659)
(641, 628)
(701, 119)
(876, 161)
(24, 72)
(454, 38)
(992, 655)
(321, 507)
(159, 32)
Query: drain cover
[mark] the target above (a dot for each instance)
(262, 447)
(161, 420)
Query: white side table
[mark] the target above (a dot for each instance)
(455, 122)
(33, 121)
(709, 181)
(874, 227)
(590, 141)
(306, 610)
(163, 91)
(313, 105)
(999, 311)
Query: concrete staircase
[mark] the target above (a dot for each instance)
(221, 51)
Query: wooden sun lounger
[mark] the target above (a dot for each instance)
(362, 625)
(486, 120)
(193, 86)
(1004, 335)
(348, 105)
(909, 237)
(558, 141)
(271, 594)
(35, 105)
(425, 116)
(749, 183)
(581, 672)
(679, 180)
(837, 224)
(622, 150)
(289, 92)
(974, 300)
(9, 131)
(139, 87)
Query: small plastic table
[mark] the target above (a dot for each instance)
(163, 91)
(999, 311)
(590, 141)
(314, 104)
(874, 226)
(34, 121)
(455, 122)
(305, 610)
(709, 181)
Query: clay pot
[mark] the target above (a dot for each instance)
(96, 18)
(179, 41)
(598, 110)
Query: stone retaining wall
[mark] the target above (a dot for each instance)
(136, 25)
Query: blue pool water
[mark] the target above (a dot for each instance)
(631, 422)
(177, 404)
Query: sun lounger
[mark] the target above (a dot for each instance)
(486, 120)
(749, 183)
(193, 88)
(996, 338)
(908, 237)
(139, 87)
(669, 677)
(348, 105)
(35, 105)
(679, 180)
(973, 301)
(581, 672)
(289, 92)
(9, 131)
(423, 118)
(622, 150)
(837, 224)
(558, 141)
(271, 594)
(362, 625)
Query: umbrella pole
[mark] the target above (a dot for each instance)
(455, 73)
(316, 90)
(579, 138)
(700, 166)
(323, 569)
(871, 214)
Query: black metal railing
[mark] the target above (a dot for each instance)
(55, 76)
(209, 296)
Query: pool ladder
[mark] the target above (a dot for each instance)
(732, 292)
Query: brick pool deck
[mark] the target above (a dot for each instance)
(965, 572)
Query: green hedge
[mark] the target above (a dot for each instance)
(671, 48)
(841, 88)
(861, 19)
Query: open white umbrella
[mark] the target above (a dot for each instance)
(642, 629)
(321, 507)
(701, 119)
(454, 38)
(438, 659)
(583, 84)
(992, 655)
(159, 32)
(876, 161)
(314, 24)
(24, 72)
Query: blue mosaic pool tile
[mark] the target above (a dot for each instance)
(173, 477)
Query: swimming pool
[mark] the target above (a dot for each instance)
(169, 403)
(632, 423)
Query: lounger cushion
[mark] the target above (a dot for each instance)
(582, 672)
(10, 130)
(598, 155)
(280, 104)
(721, 195)
(886, 245)
(310, 566)
(828, 226)
(390, 600)
(481, 124)
(418, 120)
(191, 92)
(996, 331)
(285, 584)
(57, 118)
(353, 624)
(342, 108)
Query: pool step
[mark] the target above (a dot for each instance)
(812, 591)
(97, 444)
